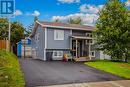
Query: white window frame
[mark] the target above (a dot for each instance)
(86, 42)
(57, 53)
(88, 34)
(38, 37)
(91, 53)
(92, 42)
(59, 32)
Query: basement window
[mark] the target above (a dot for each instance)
(57, 53)
(92, 53)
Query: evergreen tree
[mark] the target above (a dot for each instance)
(30, 27)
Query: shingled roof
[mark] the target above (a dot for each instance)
(66, 26)
(59, 25)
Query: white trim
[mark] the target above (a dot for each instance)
(76, 48)
(44, 55)
(91, 53)
(89, 48)
(57, 53)
(61, 35)
(45, 44)
(71, 32)
(63, 27)
(71, 39)
(45, 38)
(57, 57)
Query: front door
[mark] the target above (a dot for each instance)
(79, 48)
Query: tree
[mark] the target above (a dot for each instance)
(3, 28)
(75, 21)
(113, 29)
(17, 32)
(30, 27)
(57, 20)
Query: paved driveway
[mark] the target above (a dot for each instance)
(39, 73)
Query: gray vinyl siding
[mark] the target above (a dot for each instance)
(58, 44)
(40, 44)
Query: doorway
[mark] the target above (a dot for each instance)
(80, 48)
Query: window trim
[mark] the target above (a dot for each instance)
(89, 34)
(58, 31)
(57, 53)
(91, 53)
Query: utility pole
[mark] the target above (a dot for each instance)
(9, 26)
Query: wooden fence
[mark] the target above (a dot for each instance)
(4, 45)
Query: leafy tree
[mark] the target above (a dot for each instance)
(17, 32)
(75, 21)
(113, 29)
(3, 28)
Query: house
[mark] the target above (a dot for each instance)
(24, 48)
(51, 40)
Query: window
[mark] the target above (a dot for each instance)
(37, 37)
(89, 41)
(57, 53)
(58, 34)
(92, 53)
(88, 34)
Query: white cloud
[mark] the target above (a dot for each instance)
(87, 19)
(69, 1)
(86, 8)
(35, 13)
(17, 13)
(127, 3)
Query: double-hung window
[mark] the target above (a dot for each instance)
(58, 34)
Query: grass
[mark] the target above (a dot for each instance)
(10, 73)
(117, 68)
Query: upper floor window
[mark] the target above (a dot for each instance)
(58, 34)
(89, 34)
(90, 41)
(37, 37)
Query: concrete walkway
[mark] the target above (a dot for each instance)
(121, 83)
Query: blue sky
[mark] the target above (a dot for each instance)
(48, 10)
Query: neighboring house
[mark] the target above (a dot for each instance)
(51, 40)
(24, 48)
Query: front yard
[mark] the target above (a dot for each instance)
(117, 68)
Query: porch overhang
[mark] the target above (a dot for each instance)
(81, 37)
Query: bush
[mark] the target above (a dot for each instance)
(10, 73)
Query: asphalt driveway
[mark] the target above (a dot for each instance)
(40, 73)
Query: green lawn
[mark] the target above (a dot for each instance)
(117, 68)
(10, 73)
